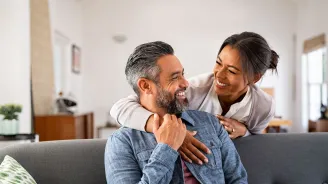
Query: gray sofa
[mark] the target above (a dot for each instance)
(268, 159)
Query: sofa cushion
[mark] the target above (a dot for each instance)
(285, 158)
(12, 172)
(64, 162)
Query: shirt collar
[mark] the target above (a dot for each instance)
(186, 117)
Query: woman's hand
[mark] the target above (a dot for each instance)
(234, 127)
(191, 148)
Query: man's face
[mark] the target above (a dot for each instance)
(172, 85)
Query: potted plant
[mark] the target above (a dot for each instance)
(9, 122)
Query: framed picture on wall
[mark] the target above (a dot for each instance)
(76, 59)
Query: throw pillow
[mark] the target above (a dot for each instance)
(11, 172)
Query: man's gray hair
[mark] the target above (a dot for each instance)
(142, 63)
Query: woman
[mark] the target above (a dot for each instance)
(229, 92)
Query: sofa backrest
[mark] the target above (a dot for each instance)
(54, 162)
(268, 158)
(285, 158)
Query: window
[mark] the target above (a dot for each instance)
(315, 75)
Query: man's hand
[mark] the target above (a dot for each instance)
(234, 127)
(190, 149)
(172, 131)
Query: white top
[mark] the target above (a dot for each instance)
(239, 111)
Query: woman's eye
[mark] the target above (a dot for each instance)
(232, 72)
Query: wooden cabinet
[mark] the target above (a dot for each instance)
(62, 126)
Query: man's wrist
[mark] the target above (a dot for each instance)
(165, 154)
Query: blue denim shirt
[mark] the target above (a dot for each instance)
(133, 156)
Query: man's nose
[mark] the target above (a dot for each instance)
(184, 83)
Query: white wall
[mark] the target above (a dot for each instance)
(194, 28)
(15, 58)
(311, 21)
(66, 19)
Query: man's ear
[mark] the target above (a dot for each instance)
(144, 85)
(257, 77)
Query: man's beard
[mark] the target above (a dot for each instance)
(172, 106)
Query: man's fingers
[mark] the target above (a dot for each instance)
(184, 157)
(174, 118)
(199, 145)
(191, 156)
(156, 123)
(167, 117)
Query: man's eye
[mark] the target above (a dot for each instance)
(175, 78)
(218, 63)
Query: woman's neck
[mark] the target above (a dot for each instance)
(227, 101)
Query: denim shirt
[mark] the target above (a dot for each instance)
(133, 156)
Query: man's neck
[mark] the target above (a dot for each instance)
(151, 106)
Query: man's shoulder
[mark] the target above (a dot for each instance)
(199, 117)
(198, 113)
(128, 133)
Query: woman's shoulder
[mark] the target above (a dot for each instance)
(263, 103)
(260, 96)
(201, 81)
(262, 111)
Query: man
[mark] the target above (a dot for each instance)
(133, 156)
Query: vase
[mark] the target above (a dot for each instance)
(9, 127)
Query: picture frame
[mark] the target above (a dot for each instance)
(76, 59)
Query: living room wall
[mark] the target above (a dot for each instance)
(15, 58)
(194, 28)
(66, 19)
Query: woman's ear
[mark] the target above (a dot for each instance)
(257, 77)
(144, 86)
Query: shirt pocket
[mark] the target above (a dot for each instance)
(214, 159)
(143, 157)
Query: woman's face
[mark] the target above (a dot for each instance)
(229, 76)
